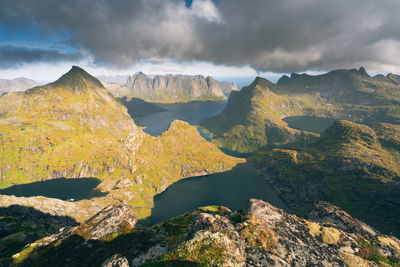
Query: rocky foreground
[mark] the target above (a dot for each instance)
(216, 236)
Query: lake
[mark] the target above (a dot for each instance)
(310, 124)
(232, 189)
(61, 188)
(192, 112)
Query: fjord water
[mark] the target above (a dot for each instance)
(231, 189)
(61, 188)
(310, 124)
(192, 112)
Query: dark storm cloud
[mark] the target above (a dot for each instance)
(13, 56)
(283, 36)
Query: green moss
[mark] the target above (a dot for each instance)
(370, 252)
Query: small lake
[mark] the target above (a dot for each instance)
(232, 189)
(61, 188)
(192, 112)
(310, 124)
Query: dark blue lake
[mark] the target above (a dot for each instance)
(192, 112)
(61, 188)
(310, 124)
(232, 189)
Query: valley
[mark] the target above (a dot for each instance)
(157, 161)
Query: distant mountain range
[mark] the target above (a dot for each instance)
(171, 88)
(18, 84)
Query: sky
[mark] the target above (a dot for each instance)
(221, 38)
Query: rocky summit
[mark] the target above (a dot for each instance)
(216, 236)
(172, 88)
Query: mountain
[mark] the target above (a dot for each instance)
(253, 117)
(351, 165)
(18, 84)
(353, 87)
(172, 88)
(75, 128)
(215, 236)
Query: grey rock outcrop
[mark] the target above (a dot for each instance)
(115, 218)
(216, 236)
(173, 88)
(116, 261)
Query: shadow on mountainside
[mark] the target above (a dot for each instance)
(20, 225)
(61, 188)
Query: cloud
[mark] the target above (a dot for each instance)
(14, 56)
(206, 9)
(269, 35)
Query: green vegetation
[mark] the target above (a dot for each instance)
(351, 165)
(252, 118)
(370, 252)
(75, 128)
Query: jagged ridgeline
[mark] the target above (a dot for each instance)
(253, 116)
(172, 88)
(74, 127)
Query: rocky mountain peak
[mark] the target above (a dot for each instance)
(261, 82)
(363, 72)
(77, 79)
(284, 80)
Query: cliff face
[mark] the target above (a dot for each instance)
(216, 236)
(173, 88)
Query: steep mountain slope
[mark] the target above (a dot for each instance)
(172, 88)
(253, 116)
(18, 84)
(75, 128)
(216, 236)
(351, 165)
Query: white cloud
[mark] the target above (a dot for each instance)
(206, 9)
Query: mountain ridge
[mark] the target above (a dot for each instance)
(341, 94)
(75, 128)
(172, 88)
